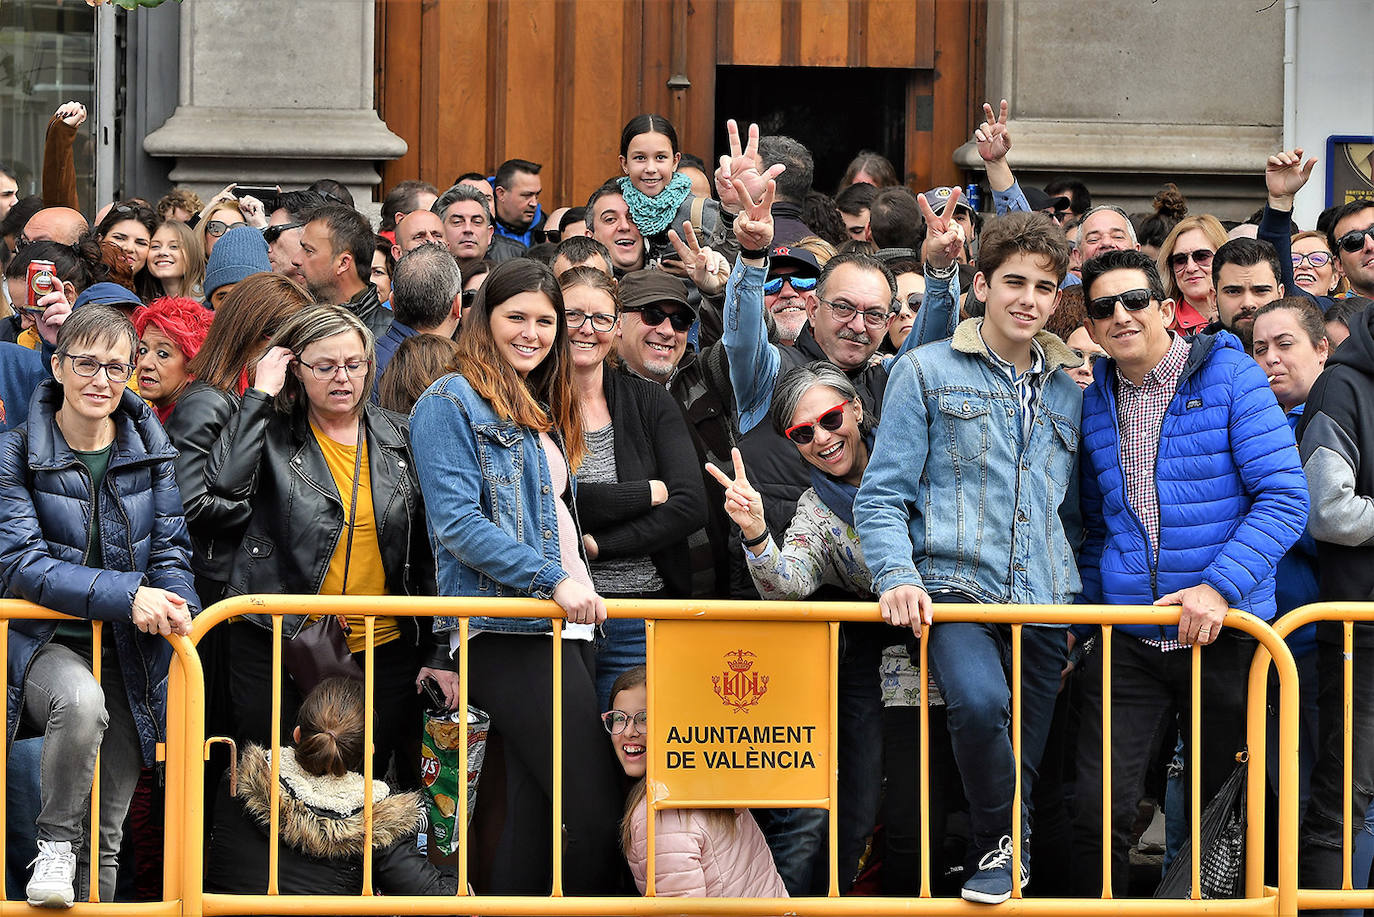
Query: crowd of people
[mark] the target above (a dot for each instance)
(697, 384)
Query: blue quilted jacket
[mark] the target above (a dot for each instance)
(46, 492)
(1232, 495)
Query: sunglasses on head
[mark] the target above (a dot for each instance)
(272, 233)
(830, 421)
(1105, 306)
(800, 284)
(654, 316)
(1201, 257)
(1353, 241)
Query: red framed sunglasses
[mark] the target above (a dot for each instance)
(830, 421)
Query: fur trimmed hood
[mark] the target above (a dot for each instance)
(323, 816)
(967, 339)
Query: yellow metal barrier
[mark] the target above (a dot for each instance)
(186, 748)
(1345, 613)
(184, 658)
(187, 697)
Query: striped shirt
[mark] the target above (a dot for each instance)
(1027, 384)
(1140, 411)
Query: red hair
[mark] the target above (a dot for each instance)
(182, 319)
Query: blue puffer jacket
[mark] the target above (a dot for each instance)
(1232, 495)
(46, 492)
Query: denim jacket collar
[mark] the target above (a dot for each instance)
(969, 339)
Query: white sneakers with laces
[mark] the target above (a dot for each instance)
(54, 871)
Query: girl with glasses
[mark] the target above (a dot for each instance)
(497, 443)
(326, 482)
(639, 492)
(1185, 263)
(217, 219)
(698, 853)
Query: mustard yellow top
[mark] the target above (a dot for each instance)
(365, 573)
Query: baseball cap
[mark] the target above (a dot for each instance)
(795, 257)
(648, 287)
(938, 197)
(1039, 200)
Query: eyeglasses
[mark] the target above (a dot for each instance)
(1201, 257)
(272, 233)
(117, 373)
(617, 721)
(1316, 259)
(1353, 241)
(873, 318)
(830, 421)
(800, 284)
(325, 371)
(1088, 356)
(654, 316)
(1105, 306)
(601, 321)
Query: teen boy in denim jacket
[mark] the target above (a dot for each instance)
(964, 501)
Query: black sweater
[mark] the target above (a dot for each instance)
(652, 442)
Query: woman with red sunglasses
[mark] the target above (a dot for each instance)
(818, 409)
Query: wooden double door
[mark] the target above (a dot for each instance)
(470, 83)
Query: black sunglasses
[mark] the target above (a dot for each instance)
(469, 297)
(272, 233)
(1105, 306)
(654, 316)
(1353, 241)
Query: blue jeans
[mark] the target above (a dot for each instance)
(798, 836)
(619, 648)
(22, 795)
(1320, 847)
(972, 665)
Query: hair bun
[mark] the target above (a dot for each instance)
(1170, 202)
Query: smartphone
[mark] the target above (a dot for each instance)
(437, 702)
(261, 192)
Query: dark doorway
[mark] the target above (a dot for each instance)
(835, 112)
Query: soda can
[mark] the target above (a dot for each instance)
(972, 197)
(42, 280)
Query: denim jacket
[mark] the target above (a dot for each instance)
(951, 499)
(489, 500)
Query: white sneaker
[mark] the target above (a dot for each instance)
(54, 870)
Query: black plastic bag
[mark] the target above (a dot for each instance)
(1221, 869)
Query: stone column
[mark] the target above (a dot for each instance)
(1128, 94)
(276, 93)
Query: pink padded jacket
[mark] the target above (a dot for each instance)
(697, 860)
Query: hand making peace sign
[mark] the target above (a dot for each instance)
(754, 225)
(944, 235)
(743, 163)
(742, 502)
(703, 265)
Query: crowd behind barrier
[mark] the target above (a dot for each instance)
(1087, 465)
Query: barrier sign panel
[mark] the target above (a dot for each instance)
(741, 711)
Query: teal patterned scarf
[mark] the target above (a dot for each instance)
(654, 215)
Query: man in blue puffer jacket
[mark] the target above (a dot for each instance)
(1192, 490)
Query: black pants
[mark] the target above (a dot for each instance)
(1147, 686)
(511, 678)
(397, 722)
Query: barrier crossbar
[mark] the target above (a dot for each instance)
(187, 750)
(1347, 614)
(184, 655)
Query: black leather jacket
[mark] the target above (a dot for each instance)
(216, 524)
(271, 462)
(367, 305)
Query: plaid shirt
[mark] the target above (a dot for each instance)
(1140, 411)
